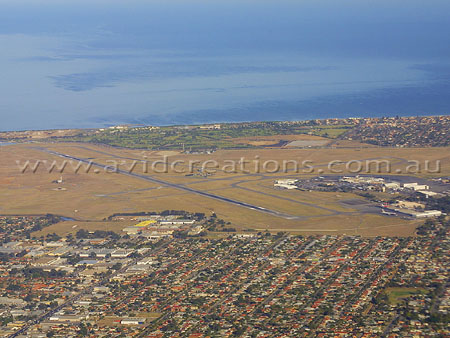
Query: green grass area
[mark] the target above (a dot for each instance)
(173, 138)
(396, 295)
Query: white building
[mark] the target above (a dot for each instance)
(420, 214)
(132, 321)
(286, 183)
(415, 186)
(67, 318)
(429, 193)
(392, 185)
(121, 253)
(429, 213)
(176, 221)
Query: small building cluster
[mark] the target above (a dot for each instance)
(156, 227)
(286, 184)
(365, 185)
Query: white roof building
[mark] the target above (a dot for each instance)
(285, 186)
(415, 186)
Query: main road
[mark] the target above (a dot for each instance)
(86, 291)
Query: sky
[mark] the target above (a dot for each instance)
(70, 64)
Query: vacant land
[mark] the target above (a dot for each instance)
(396, 295)
(280, 140)
(114, 320)
(92, 193)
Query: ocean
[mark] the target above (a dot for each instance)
(80, 64)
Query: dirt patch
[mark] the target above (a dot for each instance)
(307, 143)
(167, 153)
(278, 141)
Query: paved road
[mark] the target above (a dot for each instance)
(84, 292)
(237, 185)
(222, 299)
(186, 188)
(173, 185)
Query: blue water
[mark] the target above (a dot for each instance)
(98, 63)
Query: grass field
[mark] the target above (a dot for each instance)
(197, 138)
(90, 197)
(396, 295)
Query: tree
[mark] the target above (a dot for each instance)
(82, 234)
(83, 330)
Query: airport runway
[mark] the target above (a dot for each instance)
(173, 185)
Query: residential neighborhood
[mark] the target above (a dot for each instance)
(410, 131)
(168, 283)
(224, 169)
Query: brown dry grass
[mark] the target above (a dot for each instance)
(352, 144)
(64, 228)
(96, 196)
(274, 139)
(362, 225)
